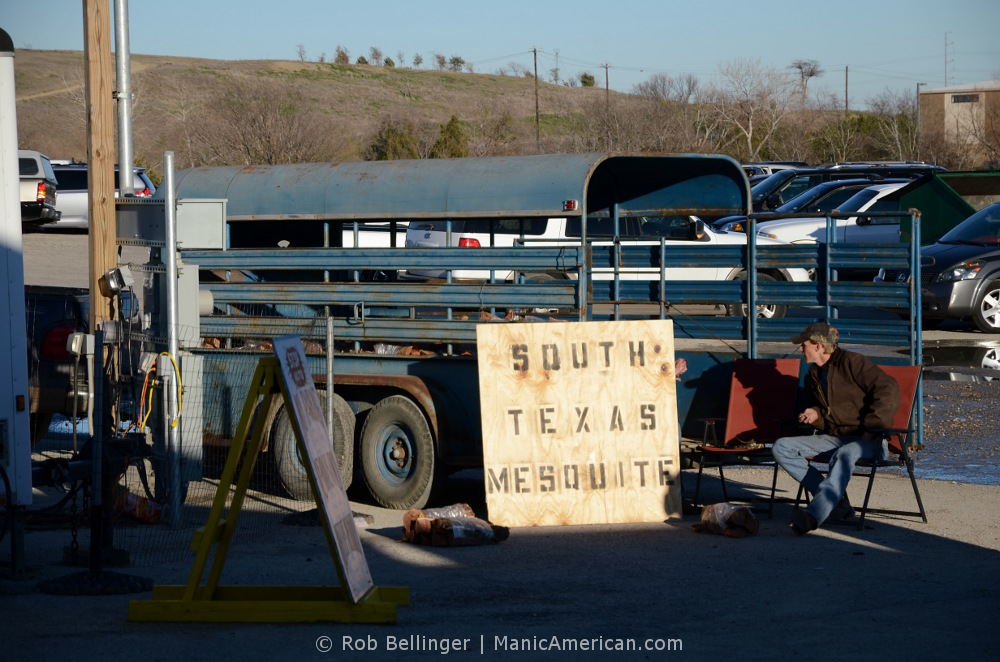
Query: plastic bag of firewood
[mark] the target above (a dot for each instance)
(417, 523)
(465, 532)
(728, 520)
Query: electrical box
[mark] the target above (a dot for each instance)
(188, 307)
(201, 223)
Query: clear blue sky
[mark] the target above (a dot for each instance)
(884, 44)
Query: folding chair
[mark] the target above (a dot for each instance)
(762, 397)
(899, 438)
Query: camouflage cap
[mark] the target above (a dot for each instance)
(818, 332)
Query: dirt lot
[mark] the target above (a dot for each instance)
(899, 588)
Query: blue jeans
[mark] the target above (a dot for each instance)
(843, 453)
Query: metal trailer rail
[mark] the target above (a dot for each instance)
(418, 306)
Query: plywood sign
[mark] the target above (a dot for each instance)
(579, 422)
(308, 419)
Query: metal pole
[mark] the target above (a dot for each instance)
(96, 460)
(751, 287)
(330, 414)
(173, 431)
(124, 96)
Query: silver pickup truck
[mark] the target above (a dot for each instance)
(38, 188)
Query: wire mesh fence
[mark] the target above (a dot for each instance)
(137, 465)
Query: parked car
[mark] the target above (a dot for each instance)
(960, 273)
(54, 377)
(73, 192)
(819, 199)
(641, 230)
(852, 225)
(785, 185)
(38, 188)
(770, 167)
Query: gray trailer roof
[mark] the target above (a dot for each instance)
(474, 187)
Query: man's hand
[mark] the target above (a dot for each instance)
(809, 416)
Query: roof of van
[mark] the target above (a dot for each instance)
(542, 185)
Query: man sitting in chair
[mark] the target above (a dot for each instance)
(848, 397)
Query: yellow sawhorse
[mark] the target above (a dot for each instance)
(210, 602)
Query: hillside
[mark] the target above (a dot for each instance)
(181, 105)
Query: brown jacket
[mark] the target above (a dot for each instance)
(859, 396)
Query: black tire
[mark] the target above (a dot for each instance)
(397, 454)
(770, 311)
(986, 314)
(39, 424)
(291, 470)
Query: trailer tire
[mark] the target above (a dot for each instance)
(397, 454)
(39, 424)
(291, 470)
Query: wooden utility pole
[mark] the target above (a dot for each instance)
(845, 91)
(538, 140)
(97, 39)
(607, 89)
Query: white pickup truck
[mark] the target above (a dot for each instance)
(38, 188)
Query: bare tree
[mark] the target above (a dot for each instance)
(259, 122)
(341, 56)
(807, 69)
(494, 131)
(440, 61)
(517, 69)
(180, 112)
(661, 87)
(418, 59)
(751, 103)
(375, 56)
(895, 125)
(839, 140)
(985, 134)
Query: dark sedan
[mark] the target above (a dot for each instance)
(960, 274)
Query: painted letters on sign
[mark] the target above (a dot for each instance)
(579, 422)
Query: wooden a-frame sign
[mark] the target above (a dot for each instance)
(356, 600)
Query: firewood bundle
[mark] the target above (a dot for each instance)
(450, 526)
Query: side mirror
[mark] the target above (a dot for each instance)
(864, 220)
(773, 201)
(698, 229)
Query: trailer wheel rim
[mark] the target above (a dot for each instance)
(394, 455)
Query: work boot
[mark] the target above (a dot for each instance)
(802, 522)
(843, 511)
